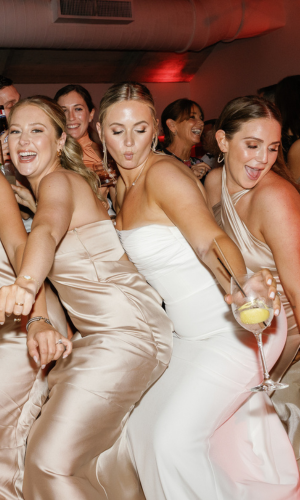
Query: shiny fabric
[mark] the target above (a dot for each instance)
(23, 389)
(78, 447)
(90, 157)
(199, 433)
(257, 255)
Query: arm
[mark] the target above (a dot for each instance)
(181, 199)
(293, 160)
(24, 196)
(213, 186)
(280, 229)
(14, 242)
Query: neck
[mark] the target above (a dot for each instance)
(130, 176)
(231, 185)
(180, 149)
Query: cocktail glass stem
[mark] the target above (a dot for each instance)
(258, 337)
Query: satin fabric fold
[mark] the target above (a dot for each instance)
(23, 389)
(257, 254)
(78, 447)
(90, 157)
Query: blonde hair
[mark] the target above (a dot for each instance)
(126, 91)
(71, 152)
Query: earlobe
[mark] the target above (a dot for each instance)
(171, 124)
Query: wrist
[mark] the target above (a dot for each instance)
(26, 281)
(37, 319)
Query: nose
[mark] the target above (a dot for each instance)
(128, 141)
(262, 155)
(23, 138)
(70, 115)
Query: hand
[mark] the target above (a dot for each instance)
(16, 300)
(24, 196)
(43, 346)
(200, 169)
(267, 277)
(4, 144)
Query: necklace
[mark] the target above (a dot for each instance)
(143, 166)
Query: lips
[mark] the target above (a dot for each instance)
(73, 126)
(128, 155)
(253, 173)
(196, 131)
(26, 156)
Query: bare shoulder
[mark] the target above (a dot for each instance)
(213, 186)
(166, 168)
(295, 149)
(276, 192)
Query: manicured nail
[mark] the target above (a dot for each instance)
(43, 366)
(276, 312)
(269, 281)
(2, 323)
(272, 295)
(65, 356)
(35, 359)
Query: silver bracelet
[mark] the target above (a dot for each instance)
(37, 318)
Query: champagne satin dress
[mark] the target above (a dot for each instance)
(23, 389)
(77, 448)
(257, 255)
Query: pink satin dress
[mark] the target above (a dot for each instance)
(77, 449)
(23, 389)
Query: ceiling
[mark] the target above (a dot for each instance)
(165, 41)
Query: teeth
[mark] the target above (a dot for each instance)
(27, 154)
(196, 131)
(73, 126)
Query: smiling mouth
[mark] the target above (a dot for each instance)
(73, 126)
(196, 131)
(27, 154)
(253, 173)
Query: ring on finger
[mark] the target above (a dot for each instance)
(278, 294)
(61, 342)
(17, 320)
(19, 304)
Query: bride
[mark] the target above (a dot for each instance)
(168, 232)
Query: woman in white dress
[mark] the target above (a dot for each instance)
(167, 230)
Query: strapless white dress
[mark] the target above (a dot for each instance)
(197, 434)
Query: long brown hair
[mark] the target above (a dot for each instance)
(71, 153)
(243, 109)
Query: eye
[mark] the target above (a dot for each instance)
(274, 149)
(36, 130)
(250, 146)
(141, 131)
(14, 132)
(117, 132)
(78, 109)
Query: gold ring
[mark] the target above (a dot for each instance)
(19, 304)
(17, 320)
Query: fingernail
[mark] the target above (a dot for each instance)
(65, 356)
(276, 312)
(35, 359)
(43, 366)
(272, 295)
(269, 282)
(2, 323)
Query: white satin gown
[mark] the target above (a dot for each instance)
(199, 433)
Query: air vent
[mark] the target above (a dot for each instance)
(92, 11)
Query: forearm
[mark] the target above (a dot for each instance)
(233, 256)
(38, 257)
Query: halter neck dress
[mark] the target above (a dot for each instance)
(257, 254)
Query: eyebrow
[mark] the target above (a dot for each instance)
(66, 105)
(137, 123)
(37, 123)
(260, 140)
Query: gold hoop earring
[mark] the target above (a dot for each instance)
(59, 153)
(220, 158)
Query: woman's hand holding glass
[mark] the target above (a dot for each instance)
(45, 344)
(264, 276)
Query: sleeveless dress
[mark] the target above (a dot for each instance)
(23, 389)
(257, 255)
(77, 448)
(191, 436)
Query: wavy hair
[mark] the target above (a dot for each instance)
(71, 153)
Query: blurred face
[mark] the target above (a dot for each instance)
(128, 131)
(32, 141)
(77, 114)
(8, 97)
(190, 130)
(251, 153)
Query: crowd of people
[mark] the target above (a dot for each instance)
(124, 375)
